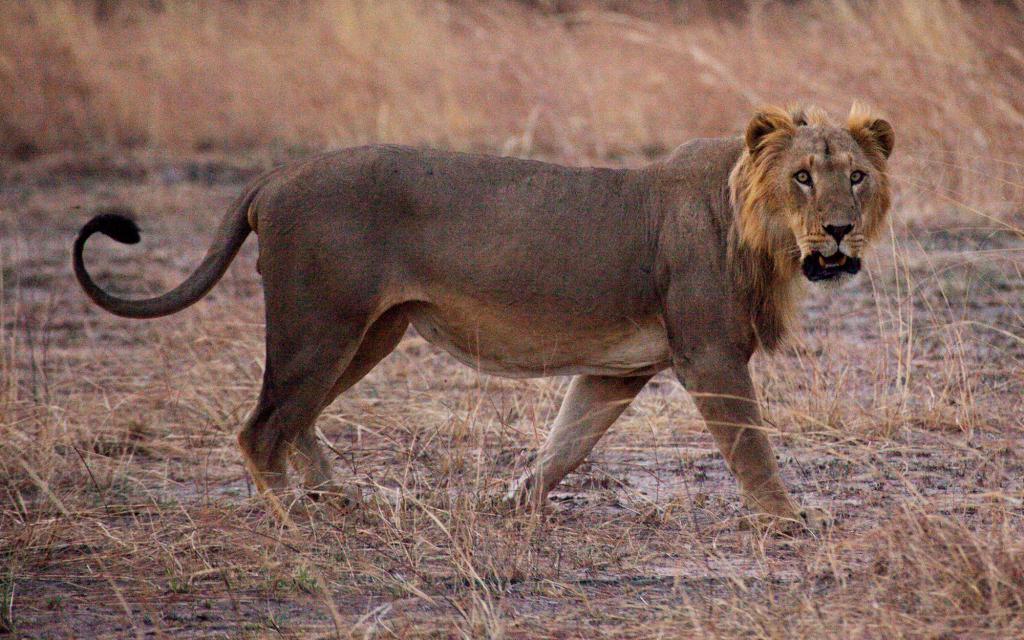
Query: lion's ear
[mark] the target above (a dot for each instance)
(870, 132)
(883, 134)
(765, 122)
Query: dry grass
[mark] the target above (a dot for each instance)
(575, 85)
(124, 509)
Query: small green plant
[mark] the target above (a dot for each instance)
(7, 602)
(304, 581)
(177, 584)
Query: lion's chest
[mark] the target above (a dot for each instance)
(517, 347)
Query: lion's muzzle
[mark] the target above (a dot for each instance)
(817, 267)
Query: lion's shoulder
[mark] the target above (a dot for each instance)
(704, 152)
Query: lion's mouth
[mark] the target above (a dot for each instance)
(818, 267)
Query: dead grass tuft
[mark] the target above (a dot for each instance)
(934, 567)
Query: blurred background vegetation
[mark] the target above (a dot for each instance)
(570, 80)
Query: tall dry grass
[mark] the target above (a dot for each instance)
(571, 81)
(125, 511)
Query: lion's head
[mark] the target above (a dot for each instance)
(810, 193)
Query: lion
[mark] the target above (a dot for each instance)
(522, 268)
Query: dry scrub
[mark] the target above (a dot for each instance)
(576, 84)
(124, 508)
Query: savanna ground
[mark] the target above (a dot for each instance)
(124, 507)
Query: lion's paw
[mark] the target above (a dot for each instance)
(336, 498)
(816, 520)
(809, 520)
(519, 499)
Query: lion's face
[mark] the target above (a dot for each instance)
(821, 190)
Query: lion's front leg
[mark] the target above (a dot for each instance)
(721, 387)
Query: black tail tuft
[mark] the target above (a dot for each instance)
(119, 227)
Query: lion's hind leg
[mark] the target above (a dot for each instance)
(303, 364)
(309, 457)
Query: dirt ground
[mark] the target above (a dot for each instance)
(125, 510)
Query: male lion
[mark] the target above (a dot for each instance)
(522, 268)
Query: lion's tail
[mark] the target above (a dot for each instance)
(233, 231)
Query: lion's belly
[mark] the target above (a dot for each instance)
(531, 348)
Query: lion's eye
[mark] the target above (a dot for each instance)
(856, 177)
(803, 177)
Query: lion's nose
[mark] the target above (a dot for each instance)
(838, 232)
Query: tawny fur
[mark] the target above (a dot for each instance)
(523, 268)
